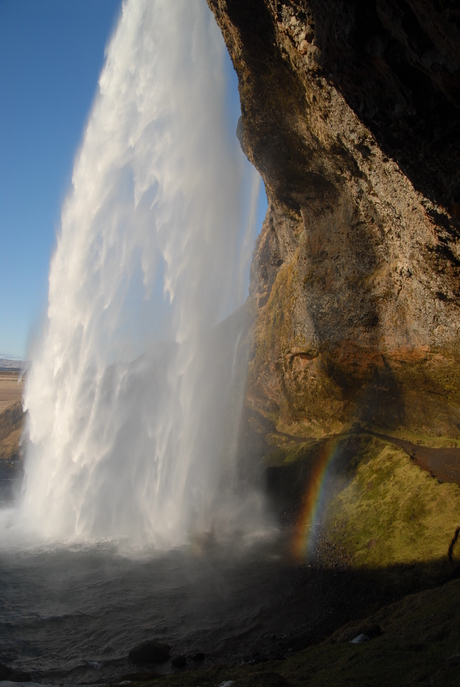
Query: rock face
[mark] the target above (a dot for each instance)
(351, 113)
(11, 675)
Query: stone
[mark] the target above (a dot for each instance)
(12, 675)
(303, 47)
(179, 661)
(149, 652)
(199, 656)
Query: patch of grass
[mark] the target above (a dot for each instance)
(421, 439)
(392, 512)
(11, 426)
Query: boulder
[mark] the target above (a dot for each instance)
(179, 662)
(149, 652)
(7, 673)
(199, 656)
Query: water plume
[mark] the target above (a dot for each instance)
(133, 392)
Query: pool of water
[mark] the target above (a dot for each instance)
(71, 614)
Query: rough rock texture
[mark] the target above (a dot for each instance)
(351, 113)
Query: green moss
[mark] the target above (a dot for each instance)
(275, 325)
(290, 454)
(392, 512)
(421, 439)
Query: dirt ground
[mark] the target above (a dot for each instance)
(10, 388)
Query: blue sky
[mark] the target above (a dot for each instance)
(51, 52)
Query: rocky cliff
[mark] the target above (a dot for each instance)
(350, 111)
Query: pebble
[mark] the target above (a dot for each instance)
(360, 639)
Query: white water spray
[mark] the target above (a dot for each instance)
(149, 252)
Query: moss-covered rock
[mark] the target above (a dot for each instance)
(392, 512)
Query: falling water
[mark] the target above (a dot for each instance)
(134, 392)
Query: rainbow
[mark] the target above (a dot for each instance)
(303, 541)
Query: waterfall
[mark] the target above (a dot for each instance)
(134, 389)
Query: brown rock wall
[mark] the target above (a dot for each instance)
(350, 111)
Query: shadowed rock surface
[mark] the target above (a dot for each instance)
(11, 675)
(149, 652)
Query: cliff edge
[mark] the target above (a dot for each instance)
(350, 111)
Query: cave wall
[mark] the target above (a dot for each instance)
(350, 111)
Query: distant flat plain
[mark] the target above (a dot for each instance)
(11, 387)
